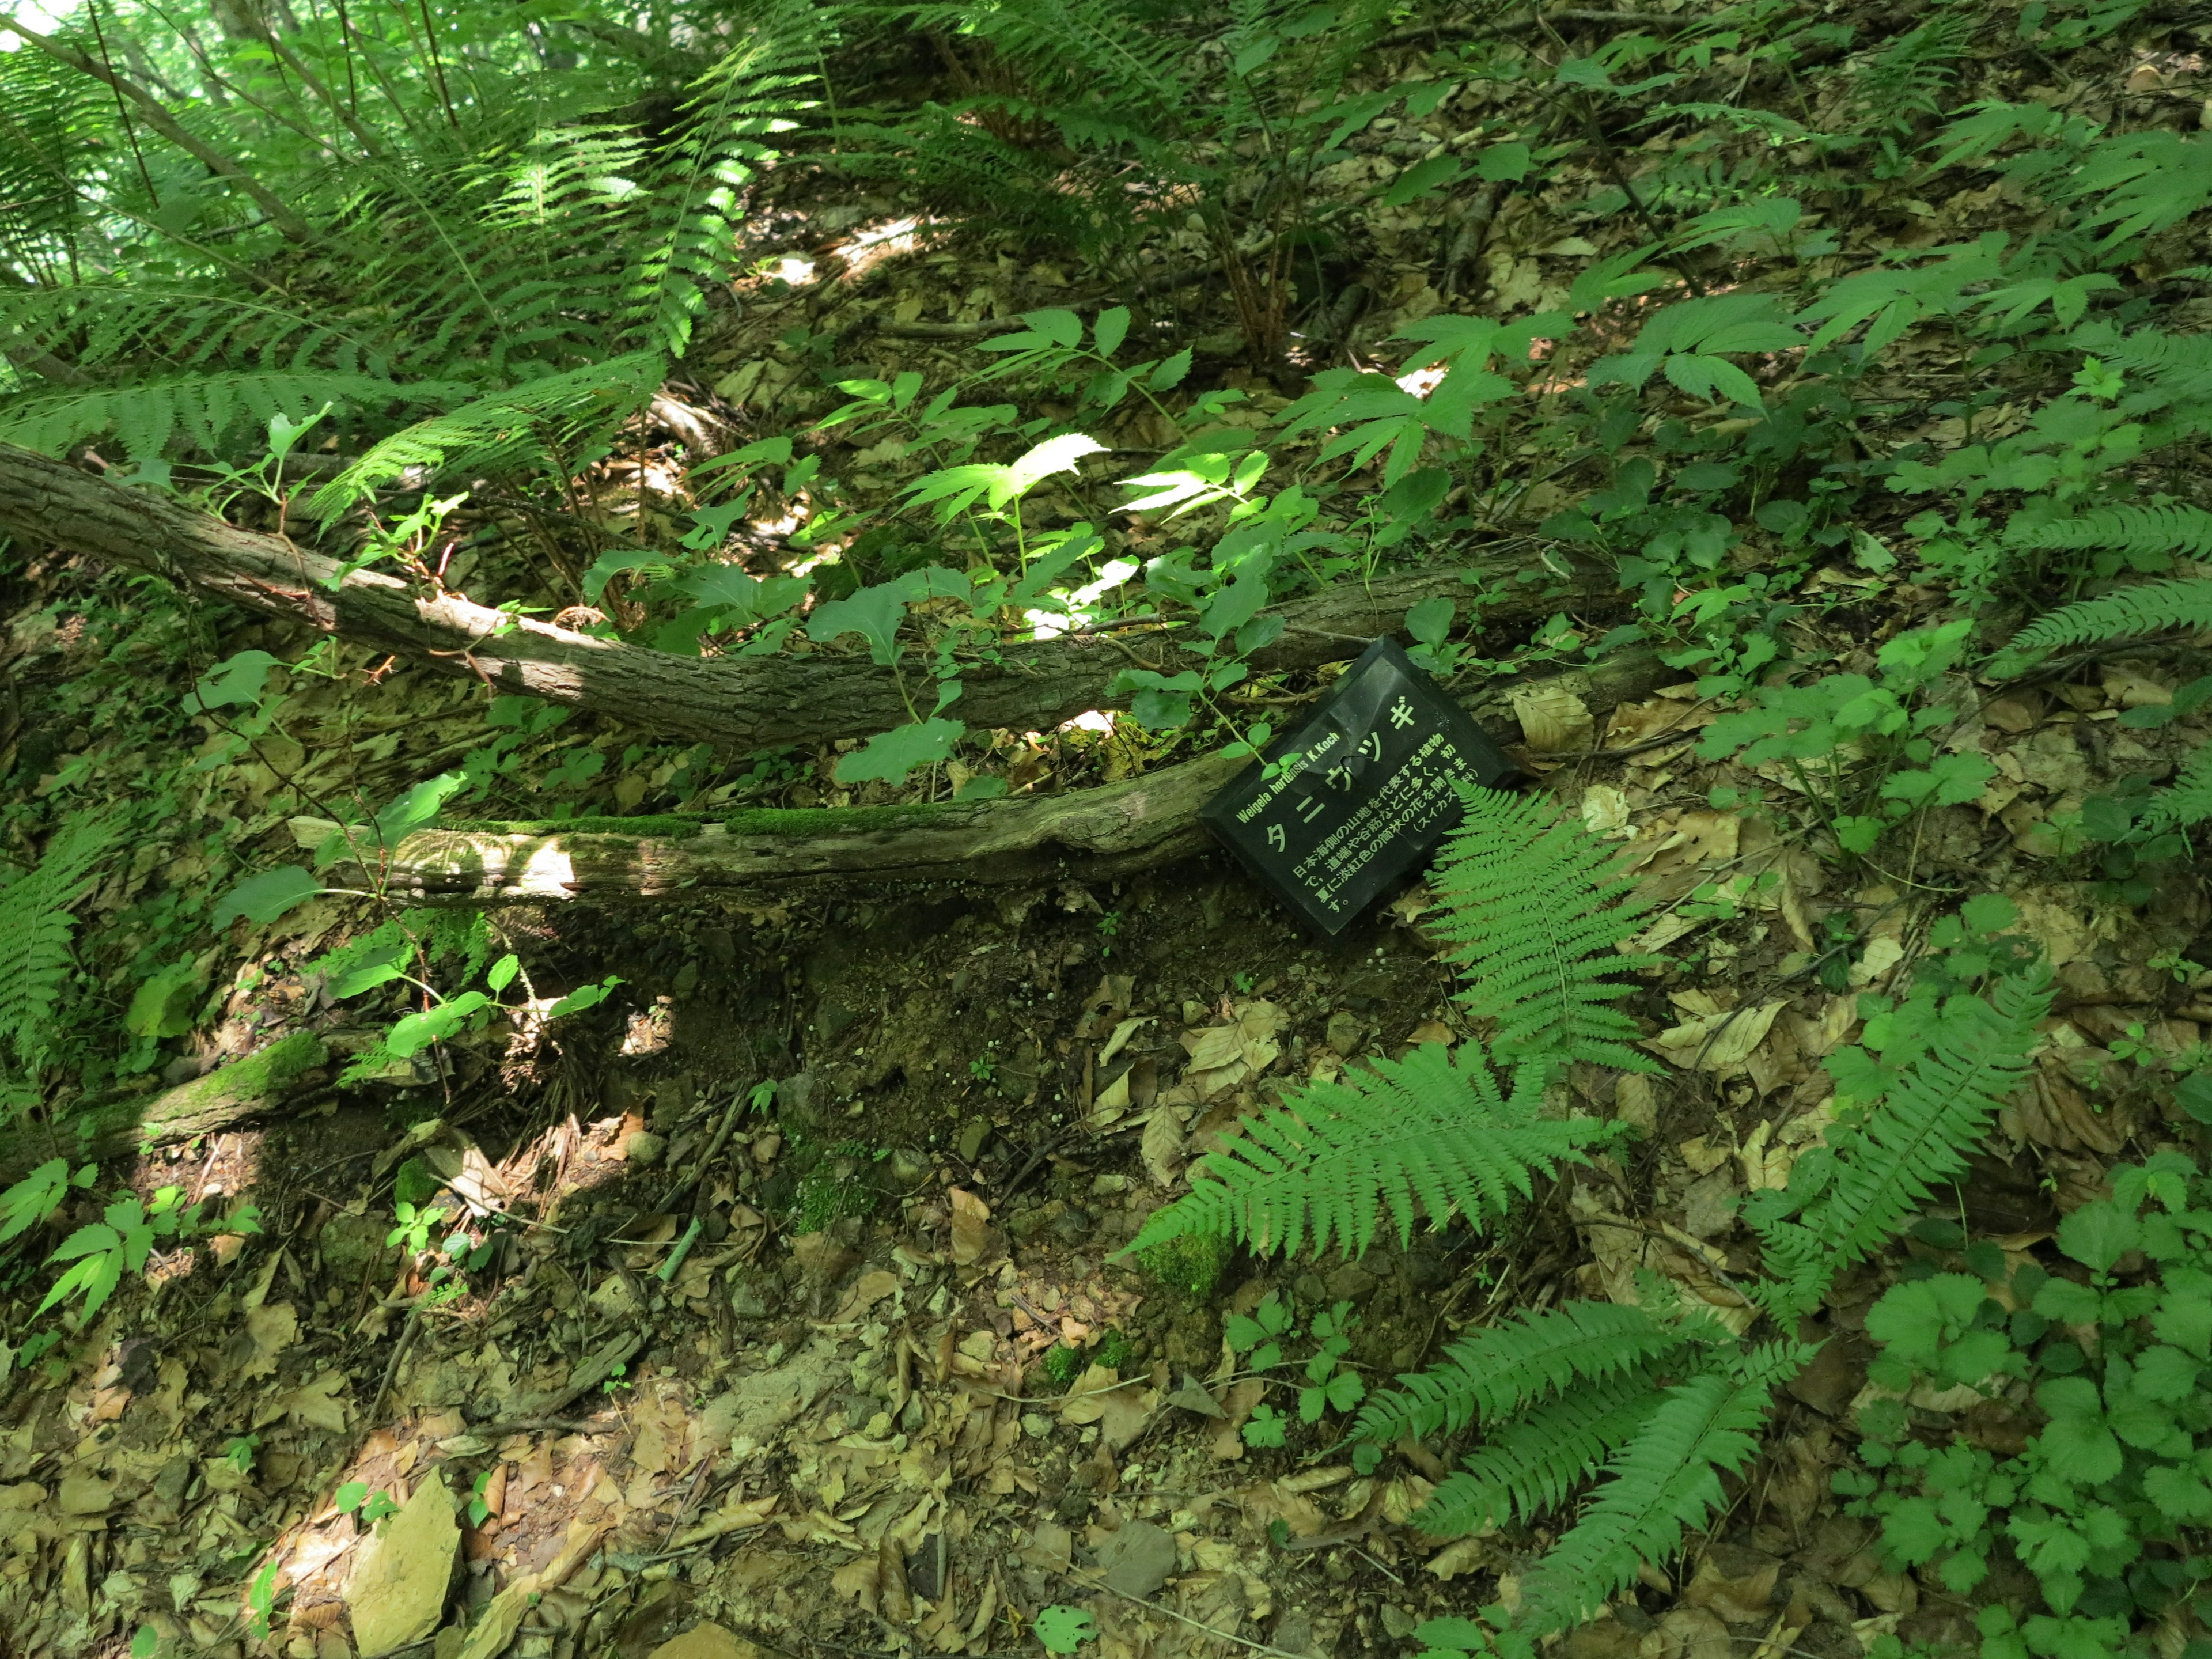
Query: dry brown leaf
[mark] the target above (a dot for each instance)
(1553, 719)
(1720, 1042)
(273, 1329)
(1085, 1402)
(971, 1236)
(1605, 812)
(1163, 1145)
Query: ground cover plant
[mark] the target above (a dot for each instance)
(615, 1028)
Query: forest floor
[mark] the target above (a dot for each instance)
(914, 1128)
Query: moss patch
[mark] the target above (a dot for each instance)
(662, 825)
(1190, 1264)
(792, 821)
(829, 820)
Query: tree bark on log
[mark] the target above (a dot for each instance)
(737, 703)
(1089, 834)
(224, 1098)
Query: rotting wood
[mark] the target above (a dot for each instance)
(736, 703)
(1117, 830)
(131, 1124)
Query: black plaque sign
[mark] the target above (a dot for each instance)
(1368, 794)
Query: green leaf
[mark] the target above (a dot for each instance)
(1062, 328)
(502, 972)
(1109, 329)
(890, 755)
(1062, 1629)
(2098, 1235)
(1170, 373)
(32, 1199)
(416, 808)
(1420, 179)
(2077, 1446)
(235, 681)
(1507, 163)
(162, 1006)
(873, 613)
(584, 996)
(1430, 622)
(416, 1032)
(261, 899)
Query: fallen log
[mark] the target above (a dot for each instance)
(128, 1124)
(1143, 824)
(740, 703)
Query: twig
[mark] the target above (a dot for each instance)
(1183, 1618)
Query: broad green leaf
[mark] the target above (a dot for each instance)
(236, 681)
(873, 613)
(890, 755)
(162, 1006)
(1062, 328)
(1430, 622)
(416, 808)
(261, 899)
(1109, 329)
(416, 1032)
(2098, 1235)
(1420, 179)
(584, 996)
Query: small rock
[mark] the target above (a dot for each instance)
(973, 1134)
(1345, 1030)
(1071, 1226)
(1351, 1283)
(1138, 1559)
(746, 1303)
(1036, 1425)
(647, 1148)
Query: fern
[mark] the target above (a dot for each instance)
(202, 407)
(2188, 799)
(2146, 608)
(1666, 1479)
(1495, 1371)
(1537, 915)
(1880, 1171)
(527, 424)
(1430, 1135)
(1536, 1463)
(2141, 183)
(35, 927)
(744, 98)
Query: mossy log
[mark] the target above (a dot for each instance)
(224, 1098)
(1143, 824)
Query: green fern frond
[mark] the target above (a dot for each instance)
(1537, 911)
(1663, 1481)
(202, 407)
(2125, 612)
(747, 95)
(1428, 1136)
(504, 429)
(2133, 530)
(2175, 363)
(1494, 1371)
(2147, 180)
(2188, 799)
(1883, 1168)
(1535, 1462)
(35, 928)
